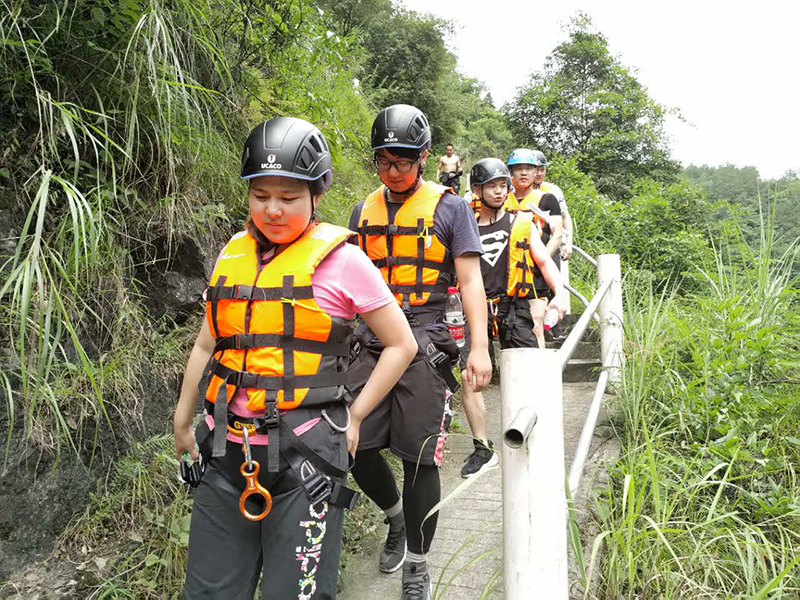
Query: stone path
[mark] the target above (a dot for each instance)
(466, 555)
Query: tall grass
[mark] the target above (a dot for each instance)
(705, 500)
(128, 119)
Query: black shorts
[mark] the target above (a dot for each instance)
(515, 328)
(297, 545)
(413, 418)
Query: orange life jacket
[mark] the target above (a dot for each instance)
(520, 265)
(407, 251)
(475, 203)
(273, 339)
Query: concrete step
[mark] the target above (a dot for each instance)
(583, 350)
(581, 369)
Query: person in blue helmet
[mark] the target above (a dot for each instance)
(526, 167)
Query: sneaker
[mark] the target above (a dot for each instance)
(481, 459)
(557, 333)
(417, 582)
(394, 550)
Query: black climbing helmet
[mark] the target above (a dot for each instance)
(489, 169)
(289, 147)
(401, 126)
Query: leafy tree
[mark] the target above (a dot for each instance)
(585, 104)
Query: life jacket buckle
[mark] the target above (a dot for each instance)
(316, 485)
(391, 230)
(242, 294)
(271, 415)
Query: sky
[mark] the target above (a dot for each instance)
(732, 68)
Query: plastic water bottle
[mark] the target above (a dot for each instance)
(454, 316)
(550, 319)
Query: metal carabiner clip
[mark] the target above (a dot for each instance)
(333, 425)
(493, 314)
(249, 471)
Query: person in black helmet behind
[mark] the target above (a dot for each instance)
(270, 362)
(421, 236)
(516, 267)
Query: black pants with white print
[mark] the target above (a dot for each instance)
(296, 546)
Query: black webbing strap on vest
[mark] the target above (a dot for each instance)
(276, 340)
(421, 240)
(526, 285)
(252, 292)
(243, 379)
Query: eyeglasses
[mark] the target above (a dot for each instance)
(402, 166)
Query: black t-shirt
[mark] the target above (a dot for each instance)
(494, 260)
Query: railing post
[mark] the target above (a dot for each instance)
(534, 498)
(565, 279)
(610, 313)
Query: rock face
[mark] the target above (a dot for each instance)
(173, 280)
(40, 491)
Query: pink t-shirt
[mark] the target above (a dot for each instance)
(345, 283)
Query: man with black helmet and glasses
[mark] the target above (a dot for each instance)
(421, 236)
(515, 267)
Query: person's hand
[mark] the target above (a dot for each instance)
(184, 441)
(566, 251)
(560, 303)
(479, 369)
(351, 435)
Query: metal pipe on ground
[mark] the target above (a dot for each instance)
(534, 494)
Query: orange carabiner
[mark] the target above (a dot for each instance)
(251, 477)
(253, 487)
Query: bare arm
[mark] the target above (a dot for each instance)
(184, 412)
(554, 243)
(399, 348)
(550, 273)
(566, 250)
(439, 168)
(468, 272)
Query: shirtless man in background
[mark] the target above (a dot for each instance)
(449, 163)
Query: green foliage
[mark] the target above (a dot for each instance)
(585, 104)
(141, 514)
(116, 118)
(740, 191)
(705, 500)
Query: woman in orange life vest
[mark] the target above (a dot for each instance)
(516, 268)
(270, 362)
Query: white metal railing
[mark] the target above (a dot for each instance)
(534, 490)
